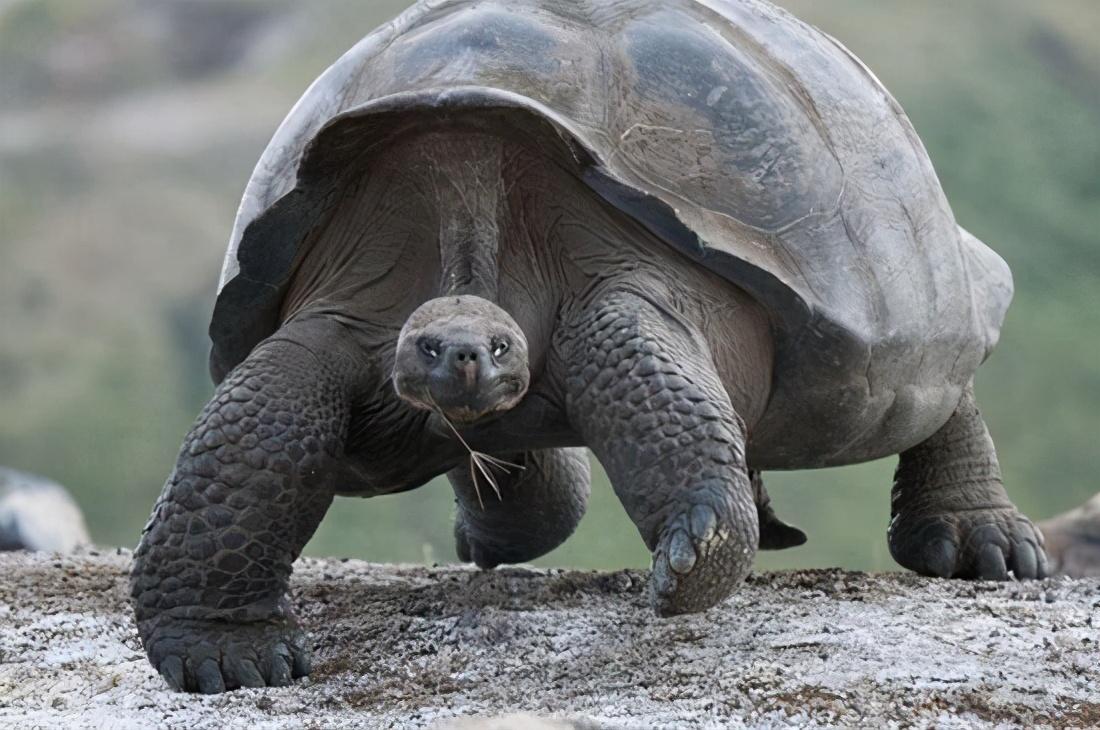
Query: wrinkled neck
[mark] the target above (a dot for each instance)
(467, 182)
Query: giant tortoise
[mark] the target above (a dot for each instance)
(697, 237)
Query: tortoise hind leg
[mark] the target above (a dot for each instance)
(539, 506)
(950, 514)
(775, 534)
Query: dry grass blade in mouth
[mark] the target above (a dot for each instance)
(480, 462)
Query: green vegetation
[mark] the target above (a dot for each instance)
(122, 158)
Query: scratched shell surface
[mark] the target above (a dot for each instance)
(751, 142)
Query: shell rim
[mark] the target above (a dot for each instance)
(250, 292)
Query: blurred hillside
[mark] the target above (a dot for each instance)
(128, 129)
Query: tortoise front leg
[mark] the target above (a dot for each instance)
(253, 479)
(643, 393)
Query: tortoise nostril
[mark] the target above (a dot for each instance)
(463, 357)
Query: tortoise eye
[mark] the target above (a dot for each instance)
(499, 347)
(429, 348)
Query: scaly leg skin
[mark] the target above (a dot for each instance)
(254, 478)
(539, 506)
(775, 534)
(950, 514)
(643, 393)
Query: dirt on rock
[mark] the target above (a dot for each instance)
(403, 646)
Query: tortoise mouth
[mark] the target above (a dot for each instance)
(455, 400)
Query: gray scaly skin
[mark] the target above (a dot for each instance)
(542, 499)
(648, 402)
(950, 513)
(254, 478)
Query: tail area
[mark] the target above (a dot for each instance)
(991, 286)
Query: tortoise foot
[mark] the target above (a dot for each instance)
(472, 550)
(212, 657)
(698, 562)
(978, 544)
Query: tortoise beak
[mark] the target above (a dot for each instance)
(465, 382)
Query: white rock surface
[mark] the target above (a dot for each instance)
(414, 647)
(38, 514)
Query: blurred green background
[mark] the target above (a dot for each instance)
(128, 129)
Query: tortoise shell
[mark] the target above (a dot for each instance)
(746, 139)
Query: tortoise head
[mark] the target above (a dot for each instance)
(462, 356)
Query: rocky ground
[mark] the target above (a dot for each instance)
(413, 646)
